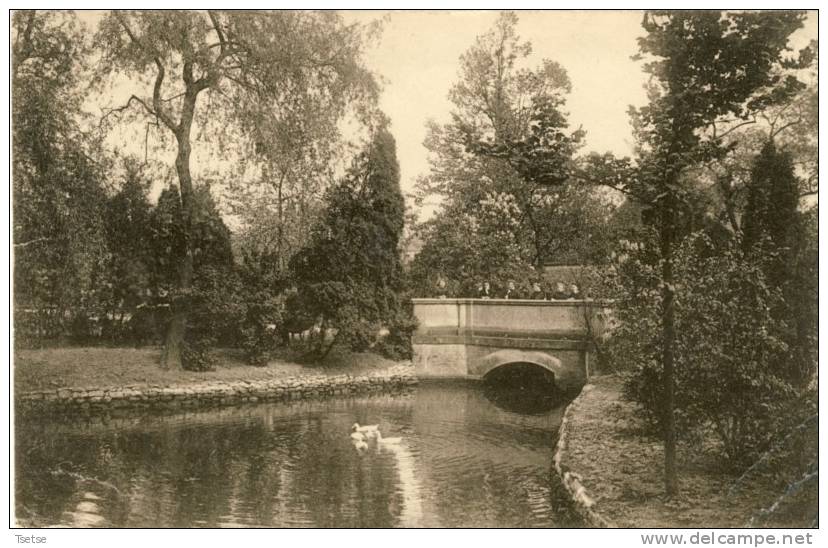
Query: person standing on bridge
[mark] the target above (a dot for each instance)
(511, 292)
(484, 291)
(574, 293)
(560, 292)
(537, 292)
(441, 287)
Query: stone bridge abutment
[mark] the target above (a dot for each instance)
(470, 338)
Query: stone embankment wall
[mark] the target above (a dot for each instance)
(217, 393)
(571, 480)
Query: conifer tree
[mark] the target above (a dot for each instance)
(350, 275)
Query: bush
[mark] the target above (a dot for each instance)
(34, 327)
(213, 314)
(728, 375)
(195, 355)
(82, 328)
(146, 324)
(262, 326)
(396, 345)
(353, 332)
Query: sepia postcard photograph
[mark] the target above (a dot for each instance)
(423, 269)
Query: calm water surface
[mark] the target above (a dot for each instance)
(467, 457)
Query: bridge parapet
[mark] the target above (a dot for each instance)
(467, 337)
(493, 317)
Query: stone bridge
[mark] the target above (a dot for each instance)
(470, 338)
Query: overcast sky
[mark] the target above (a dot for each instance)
(419, 52)
(419, 57)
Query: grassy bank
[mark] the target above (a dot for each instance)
(622, 470)
(86, 367)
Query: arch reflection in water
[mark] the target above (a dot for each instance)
(462, 462)
(523, 388)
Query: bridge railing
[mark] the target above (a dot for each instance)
(577, 319)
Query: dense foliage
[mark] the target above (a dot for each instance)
(502, 167)
(728, 344)
(247, 70)
(349, 277)
(710, 72)
(710, 259)
(57, 186)
(782, 239)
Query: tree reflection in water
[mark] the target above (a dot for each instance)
(463, 461)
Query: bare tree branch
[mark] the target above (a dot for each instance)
(732, 129)
(158, 109)
(120, 109)
(35, 241)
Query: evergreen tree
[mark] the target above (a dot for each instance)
(775, 235)
(350, 275)
(772, 210)
(127, 220)
(210, 236)
(57, 193)
(212, 310)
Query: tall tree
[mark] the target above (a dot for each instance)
(127, 217)
(706, 68)
(296, 152)
(508, 140)
(57, 187)
(775, 235)
(242, 60)
(350, 274)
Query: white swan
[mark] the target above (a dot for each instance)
(360, 445)
(357, 436)
(369, 431)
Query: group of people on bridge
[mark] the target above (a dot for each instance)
(538, 291)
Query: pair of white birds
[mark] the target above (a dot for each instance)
(361, 434)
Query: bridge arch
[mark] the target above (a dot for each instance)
(504, 358)
(470, 338)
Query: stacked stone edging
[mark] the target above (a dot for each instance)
(214, 393)
(571, 480)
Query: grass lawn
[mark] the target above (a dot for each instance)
(76, 367)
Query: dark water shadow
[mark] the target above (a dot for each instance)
(523, 388)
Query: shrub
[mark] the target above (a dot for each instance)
(195, 355)
(82, 328)
(145, 325)
(262, 326)
(727, 348)
(396, 345)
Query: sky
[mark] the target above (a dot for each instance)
(418, 57)
(419, 53)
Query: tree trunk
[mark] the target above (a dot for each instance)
(177, 327)
(280, 231)
(668, 227)
(330, 347)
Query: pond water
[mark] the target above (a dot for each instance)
(467, 456)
